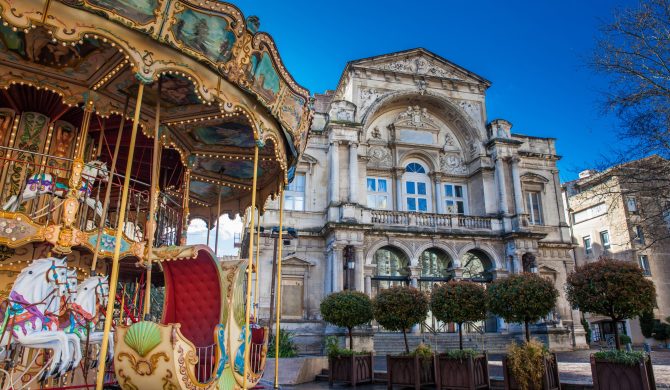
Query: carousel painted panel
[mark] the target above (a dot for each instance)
(16, 230)
(143, 15)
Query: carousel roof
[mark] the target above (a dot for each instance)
(218, 82)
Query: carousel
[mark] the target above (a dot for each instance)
(120, 122)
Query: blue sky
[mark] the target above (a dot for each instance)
(534, 52)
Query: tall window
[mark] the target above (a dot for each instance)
(416, 188)
(631, 204)
(605, 239)
(392, 269)
(534, 207)
(294, 197)
(644, 264)
(588, 248)
(454, 199)
(435, 264)
(639, 234)
(378, 193)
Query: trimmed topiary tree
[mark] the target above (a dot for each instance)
(647, 323)
(400, 308)
(459, 302)
(613, 288)
(522, 298)
(347, 309)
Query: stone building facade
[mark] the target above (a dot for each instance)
(620, 213)
(406, 181)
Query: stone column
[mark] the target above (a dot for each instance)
(334, 172)
(353, 172)
(328, 279)
(398, 189)
(415, 273)
(337, 268)
(359, 269)
(502, 193)
(516, 181)
(368, 285)
(439, 204)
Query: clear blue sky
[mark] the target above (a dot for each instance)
(534, 52)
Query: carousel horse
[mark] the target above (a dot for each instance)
(46, 183)
(26, 321)
(84, 312)
(58, 307)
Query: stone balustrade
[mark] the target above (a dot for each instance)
(429, 220)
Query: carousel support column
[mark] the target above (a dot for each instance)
(278, 288)
(185, 205)
(257, 266)
(117, 242)
(252, 226)
(209, 225)
(218, 220)
(110, 182)
(153, 201)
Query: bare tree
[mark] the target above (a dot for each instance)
(634, 52)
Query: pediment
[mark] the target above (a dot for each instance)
(416, 117)
(546, 270)
(308, 159)
(295, 261)
(420, 62)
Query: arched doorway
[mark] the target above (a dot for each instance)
(478, 267)
(437, 266)
(392, 269)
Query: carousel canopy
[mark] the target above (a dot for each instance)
(216, 86)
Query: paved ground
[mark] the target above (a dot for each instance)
(573, 366)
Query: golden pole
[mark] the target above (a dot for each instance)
(153, 200)
(252, 225)
(258, 269)
(86, 123)
(110, 182)
(185, 205)
(117, 243)
(278, 288)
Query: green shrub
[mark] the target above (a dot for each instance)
(587, 328)
(526, 361)
(459, 302)
(461, 354)
(624, 339)
(423, 351)
(621, 357)
(522, 298)
(662, 331)
(287, 347)
(347, 309)
(613, 288)
(334, 350)
(647, 323)
(400, 308)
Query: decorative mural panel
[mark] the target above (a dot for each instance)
(63, 140)
(225, 134)
(139, 11)
(30, 139)
(6, 121)
(291, 111)
(235, 169)
(265, 79)
(208, 35)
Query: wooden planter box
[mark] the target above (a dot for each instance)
(409, 371)
(608, 375)
(466, 374)
(351, 370)
(550, 379)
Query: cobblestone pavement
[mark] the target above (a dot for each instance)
(573, 366)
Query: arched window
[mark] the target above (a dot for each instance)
(477, 266)
(392, 268)
(435, 264)
(415, 168)
(416, 189)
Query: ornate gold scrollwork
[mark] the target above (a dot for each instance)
(144, 367)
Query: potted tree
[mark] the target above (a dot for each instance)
(619, 290)
(460, 302)
(348, 309)
(526, 298)
(398, 309)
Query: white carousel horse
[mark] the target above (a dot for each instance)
(84, 315)
(40, 283)
(46, 183)
(56, 308)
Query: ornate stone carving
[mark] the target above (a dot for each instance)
(452, 163)
(376, 133)
(416, 117)
(342, 111)
(421, 66)
(379, 156)
(472, 109)
(367, 96)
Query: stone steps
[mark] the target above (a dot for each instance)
(393, 343)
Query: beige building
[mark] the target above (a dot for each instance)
(406, 181)
(621, 213)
